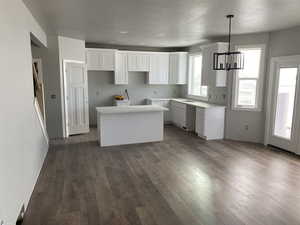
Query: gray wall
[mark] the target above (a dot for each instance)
(236, 121)
(51, 75)
(101, 90)
(285, 42)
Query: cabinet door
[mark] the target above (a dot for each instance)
(220, 79)
(107, 60)
(173, 68)
(159, 68)
(182, 68)
(178, 114)
(175, 115)
(100, 59)
(92, 60)
(163, 65)
(121, 72)
(200, 122)
(210, 77)
(138, 61)
(178, 68)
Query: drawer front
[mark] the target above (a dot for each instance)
(200, 122)
(179, 116)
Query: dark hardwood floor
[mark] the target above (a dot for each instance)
(181, 181)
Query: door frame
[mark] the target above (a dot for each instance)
(64, 94)
(271, 85)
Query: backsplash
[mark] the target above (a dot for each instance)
(217, 95)
(101, 90)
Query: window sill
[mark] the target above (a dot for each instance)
(246, 109)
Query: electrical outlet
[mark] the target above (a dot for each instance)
(246, 127)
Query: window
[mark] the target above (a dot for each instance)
(195, 71)
(248, 83)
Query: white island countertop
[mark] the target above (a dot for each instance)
(129, 109)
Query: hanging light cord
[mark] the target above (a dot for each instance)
(229, 36)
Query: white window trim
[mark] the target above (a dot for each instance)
(196, 97)
(260, 83)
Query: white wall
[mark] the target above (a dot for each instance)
(22, 145)
(69, 49)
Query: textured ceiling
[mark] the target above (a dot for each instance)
(161, 23)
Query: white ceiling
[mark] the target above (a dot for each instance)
(161, 23)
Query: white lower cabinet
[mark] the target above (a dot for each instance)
(210, 123)
(164, 103)
(178, 113)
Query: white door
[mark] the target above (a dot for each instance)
(76, 98)
(285, 117)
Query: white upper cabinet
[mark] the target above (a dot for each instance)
(100, 59)
(159, 68)
(138, 61)
(210, 77)
(178, 68)
(121, 72)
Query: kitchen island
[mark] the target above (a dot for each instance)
(130, 124)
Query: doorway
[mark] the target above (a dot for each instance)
(284, 110)
(76, 98)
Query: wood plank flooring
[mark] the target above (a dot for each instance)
(180, 181)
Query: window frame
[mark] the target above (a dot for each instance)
(259, 84)
(190, 66)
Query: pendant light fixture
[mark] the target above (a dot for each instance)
(230, 60)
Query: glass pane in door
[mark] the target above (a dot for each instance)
(285, 102)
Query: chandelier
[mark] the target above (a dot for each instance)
(230, 60)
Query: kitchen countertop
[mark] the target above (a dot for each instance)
(129, 109)
(190, 102)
